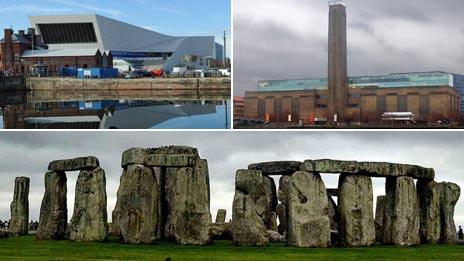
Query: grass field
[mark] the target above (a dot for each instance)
(27, 248)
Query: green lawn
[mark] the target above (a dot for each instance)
(30, 249)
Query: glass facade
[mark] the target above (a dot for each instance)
(394, 80)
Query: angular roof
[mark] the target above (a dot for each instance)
(59, 53)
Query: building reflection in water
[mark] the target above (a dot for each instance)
(115, 110)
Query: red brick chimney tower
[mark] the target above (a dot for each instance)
(7, 51)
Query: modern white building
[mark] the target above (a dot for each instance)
(139, 47)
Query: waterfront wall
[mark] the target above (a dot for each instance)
(58, 84)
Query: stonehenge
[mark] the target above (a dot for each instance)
(89, 220)
(19, 223)
(164, 194)
(414, 210)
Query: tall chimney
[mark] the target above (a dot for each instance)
(337, 70)
(7, 53)
(21, 32)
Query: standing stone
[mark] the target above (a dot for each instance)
(273, 224)
(449, 196)
(355, 204)
(429, 211)
(135, 216)
(221, 216)
(53, 219)
(89, 221)
(248, 228)
(266, 205)
(282, 214)
(334, 216)
(401, 221)
(308, 218)
(188, 199)
(379, 216)
(282, 194)
(19, 223)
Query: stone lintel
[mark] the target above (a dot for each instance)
(75, 164)
(276, 167)
(372, 169)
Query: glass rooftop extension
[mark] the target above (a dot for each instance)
(394, 80)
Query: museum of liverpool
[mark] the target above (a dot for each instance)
(428, 96)
(128, 45)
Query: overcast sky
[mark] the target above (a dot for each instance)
(276, 39)
(28, 154)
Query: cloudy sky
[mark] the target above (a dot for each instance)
(276, 39)
(28, 154)
(174, 17)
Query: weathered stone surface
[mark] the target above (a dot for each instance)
(308, 219)
(282, 214)
(74, 164)
(429, 211)
(89, 221)
(273, 223)
(188, 200)
(19, 222)
(173, 156)
(221, 216)
(355, 204)
(275, 237)
(133, 156)
(53, 219)
(248, 228)
(373, 169)
(449, 196)
(266, 205)
(221, 231)
(401, 220)
(282, 194)
(135, 217)
(379, 216)
(334, 215)
(276, 167)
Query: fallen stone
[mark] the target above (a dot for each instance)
(275, 237)
(221, 231)
(135, 217)
(53, 219)
(248, 228)
(355, 204)
(429, 211)
(379, 216)
(372, 169)
(74, 164)
(19, 222)
(449, 196)
(276, 167)
(282, 214)
(308, 219)
(221, 216)
(401, 220)
(188, 199)
(89, 221)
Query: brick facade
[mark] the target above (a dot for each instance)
(428, 104)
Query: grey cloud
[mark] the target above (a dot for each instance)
(28, 154)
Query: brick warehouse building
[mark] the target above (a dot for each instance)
(430, 96)
(20, 52)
